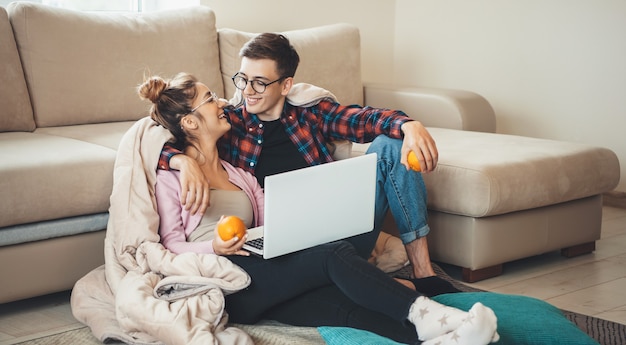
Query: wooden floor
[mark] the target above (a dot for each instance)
(592, 284)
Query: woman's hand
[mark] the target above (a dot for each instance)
(230, 247)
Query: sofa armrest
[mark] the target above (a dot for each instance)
(445, 108)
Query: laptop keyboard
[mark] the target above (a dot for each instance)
(256, 243)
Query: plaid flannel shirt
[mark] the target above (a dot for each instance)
(309, 128)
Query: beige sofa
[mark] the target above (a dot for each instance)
(67, 95)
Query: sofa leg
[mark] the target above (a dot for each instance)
(472, 276)
(580, 249)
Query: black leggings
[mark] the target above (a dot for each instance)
(327, 285)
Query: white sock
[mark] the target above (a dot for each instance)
(432, 319)
(479, 328)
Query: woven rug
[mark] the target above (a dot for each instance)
(274, 333)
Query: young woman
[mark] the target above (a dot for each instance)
(327, 285)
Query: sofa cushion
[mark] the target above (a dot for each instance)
(86, 69)
(51, 177)
(330, 57)
(103, 134)
(486, 174)
(16, 113)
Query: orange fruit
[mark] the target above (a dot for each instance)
(229, 227)
(413, 162)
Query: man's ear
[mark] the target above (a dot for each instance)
(287, 84)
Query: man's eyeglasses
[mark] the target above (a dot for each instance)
(212, 97)
(257, 85)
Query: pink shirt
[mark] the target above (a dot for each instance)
(176, 223)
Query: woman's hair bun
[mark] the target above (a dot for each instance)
(152, 88)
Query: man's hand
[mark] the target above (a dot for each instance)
(195, 187)
(418, 140)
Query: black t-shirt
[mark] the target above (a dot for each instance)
(279, 153)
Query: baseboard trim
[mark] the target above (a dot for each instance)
(614, 199)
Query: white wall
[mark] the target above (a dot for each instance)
(551, 68)
(282, 15)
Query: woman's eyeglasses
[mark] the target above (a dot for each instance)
(212, 97)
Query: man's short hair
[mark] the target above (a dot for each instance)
(274, 47)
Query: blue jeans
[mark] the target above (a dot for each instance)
(327, 285)
(398, 190)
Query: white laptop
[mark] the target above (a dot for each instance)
(316, 205)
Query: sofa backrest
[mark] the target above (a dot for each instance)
(330, 57)
(84, 67)
(15, 110)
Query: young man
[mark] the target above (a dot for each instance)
(270, 136)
